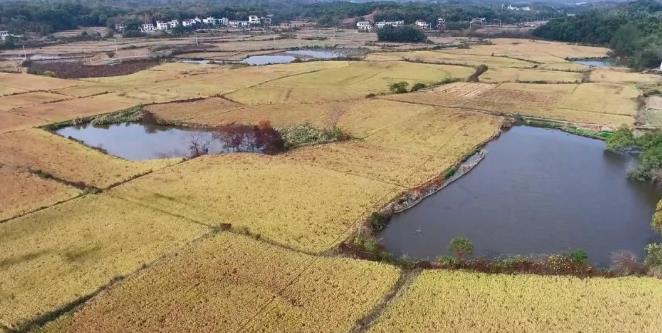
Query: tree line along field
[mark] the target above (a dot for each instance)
(248, 241)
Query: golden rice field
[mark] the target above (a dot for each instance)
(601, 104)
(161, 223)
(455, 301)
(354, 80)
(304, 207)
(41, 151)
(220, 283)
(22, 192)
(55, 256)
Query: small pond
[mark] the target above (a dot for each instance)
(596, 62)
(291, 56)
(538, 191)
(138, 141)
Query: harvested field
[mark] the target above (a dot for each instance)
(440, 57)
(355, 80)
(58, 255)
(222, 283)
(593, 103)
(19, 83)
(445, 301)
(77, 108)
(11, 122)
(171, 82)
(304, 207)
(28, 99)
(65, 159)
(76, 70)
(496, 75)
(22, 192)
(611, 75)
(533, 50)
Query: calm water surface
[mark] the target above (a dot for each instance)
(137, 141)
(538, 191)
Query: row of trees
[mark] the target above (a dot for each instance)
(633, 31)
(55, 15)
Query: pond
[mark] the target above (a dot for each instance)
(290, 56)
(596, 62)
(138, 141)
(537, 192)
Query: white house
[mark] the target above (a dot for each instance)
(189, 22)
(382, 24)
(223, 21)
(147, 27)
(162, 26)
(253, 19)
(422, 25)
(4, 35)
(120, 27)
(364, 26)
(441, 23)
(173, 24)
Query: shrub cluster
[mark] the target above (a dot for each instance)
(306, 134)
(650, 146)
(404, 34)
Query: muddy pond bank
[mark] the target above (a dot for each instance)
(537, 192)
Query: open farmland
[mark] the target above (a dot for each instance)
(223, 281)
(249, 242)
(56, 256)
(64, 159)
(449, 301)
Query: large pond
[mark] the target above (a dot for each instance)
(138, 141)
(291, 56)
(538, 191)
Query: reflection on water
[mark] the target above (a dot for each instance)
(538, 191)
(138, 141)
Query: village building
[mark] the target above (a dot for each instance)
(365, 26)
(173, 24)
(147, 27)
(4, 35)
(253, 19)
(162, 26)
(120, 27)
(383, 24)
(441, 24)
(422, 25)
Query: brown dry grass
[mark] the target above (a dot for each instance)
(29, 99)
(77, 108)
(55, 256)
(13, 83)
(496, 75)
(22, 192)
(11, 122)
(220, 284)
(39, 150)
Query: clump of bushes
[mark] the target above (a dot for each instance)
(399, 87)
(404, 34)
(649, 145)
(653, 260)
(378, 222)
(306, 134)
(133, 114)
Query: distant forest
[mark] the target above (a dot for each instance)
(45, 17)
(633, 31)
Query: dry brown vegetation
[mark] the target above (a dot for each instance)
(22, 192)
